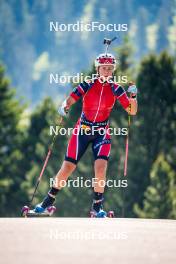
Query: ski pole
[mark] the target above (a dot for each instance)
(45, 162)
(127, 142)
(126, 157)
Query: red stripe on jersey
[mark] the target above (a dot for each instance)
(74, 96)
(124, 100)
(72, 149)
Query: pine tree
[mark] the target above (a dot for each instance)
(124, 55)
(155, 120)
(10, 152)
(36, 145)
(160, 195)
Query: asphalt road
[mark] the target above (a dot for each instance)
(86, 240)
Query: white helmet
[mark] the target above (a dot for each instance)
(106, 59)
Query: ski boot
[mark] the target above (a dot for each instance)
(46, 206)
(49, 210)
(97, 209)
(98, 212)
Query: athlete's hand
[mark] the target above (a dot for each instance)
(132, 89)
(63, 109)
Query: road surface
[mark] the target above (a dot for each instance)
(86, 240)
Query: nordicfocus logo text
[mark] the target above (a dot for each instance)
(80, 182)
(81, 26)
(80, 77)
(87, 130)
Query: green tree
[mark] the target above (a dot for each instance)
(125, 55)
(154, 127)
(36, 145)
(11, 156)
(160, 195)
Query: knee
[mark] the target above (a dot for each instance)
(100, 170)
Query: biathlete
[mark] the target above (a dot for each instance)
(98, 99)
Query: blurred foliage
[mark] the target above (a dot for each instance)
(160, 196)
(11, 156)
(151, 165)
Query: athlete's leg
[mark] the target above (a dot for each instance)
(101, 148)
(100, 167)
(76, 147)
(60, 181)
(65, 171)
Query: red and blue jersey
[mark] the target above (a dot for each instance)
(99, 98)
(98, 101)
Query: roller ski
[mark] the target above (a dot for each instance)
(38, 211)
(101, 214)
(97, 209)
(45, 208)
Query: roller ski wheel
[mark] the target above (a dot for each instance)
(27, 212)
(111, 214)
(92, 214)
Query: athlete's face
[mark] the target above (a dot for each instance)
(106, 70)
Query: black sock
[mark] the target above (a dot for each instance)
(48, 201)
(53, 191)
(97, 202)
(50, 198)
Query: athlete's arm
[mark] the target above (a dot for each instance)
(67, 103)
(74, 96)
(132, 89)
(129, 104)
(80, 90)
(70, 101)
(132, 108)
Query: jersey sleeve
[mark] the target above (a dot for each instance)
(121, 95)
(80, 90)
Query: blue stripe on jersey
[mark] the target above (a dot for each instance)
(85, 86)
(75, 91)
(118, 90)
